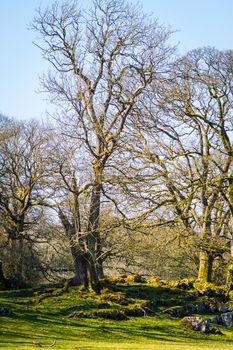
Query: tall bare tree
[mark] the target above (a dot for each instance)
(103, 59)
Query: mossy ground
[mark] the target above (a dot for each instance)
(47, 324)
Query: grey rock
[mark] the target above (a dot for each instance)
(225, 308)
(216, 319)
(4, 311)
(196, 323)
(200, 308)
(181, 311)
(203, 326)
(212, 308)
(205, 293)
(227, 319)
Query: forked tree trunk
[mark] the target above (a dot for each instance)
(80, 265)
(85, 251)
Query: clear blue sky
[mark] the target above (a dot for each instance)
(199, 23)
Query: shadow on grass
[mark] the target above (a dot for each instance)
(160, 296)
(49, 321)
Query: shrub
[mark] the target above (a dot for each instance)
(210, 289)
(185, 284)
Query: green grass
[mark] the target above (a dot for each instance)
(47, 325)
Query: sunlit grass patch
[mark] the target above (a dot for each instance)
(48, 324)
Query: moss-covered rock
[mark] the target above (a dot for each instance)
(5, 311)
(210, 290)
(81, 314)
(135, 310)
(154, 280)
(116, 297)
(185, 284)
(196, 323)
(135, 278)
(180, 311)
(110, 314)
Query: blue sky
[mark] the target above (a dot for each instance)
(198, 23)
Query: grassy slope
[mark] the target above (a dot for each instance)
(47, 325)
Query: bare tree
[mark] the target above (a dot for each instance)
(102, 59)
(199, 97)
(24, 176)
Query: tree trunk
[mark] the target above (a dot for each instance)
(92, 276)
(80, 268)
(210, 267)
(93, 239)
(2, 278)
(206, 257)
(95, 270)
(203, 274)
(229, 277)
(76, 247)
(100, 269)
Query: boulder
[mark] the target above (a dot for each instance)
(110, 314)
(227, 319)
(216, 319)
(225, 308)
(212, 308)
(196, 323)
(4, 311)
(181, 311)
(200, 308)
(211, 305)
